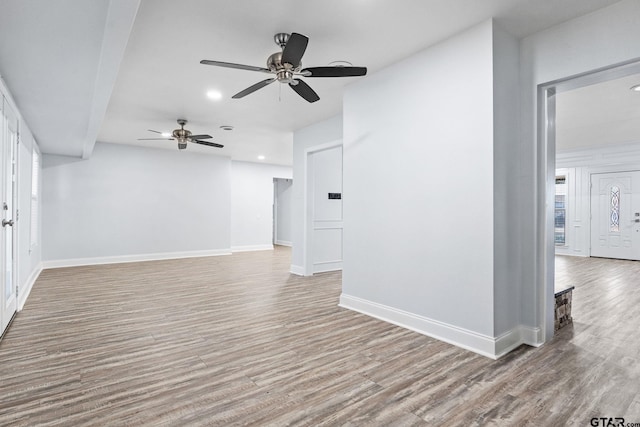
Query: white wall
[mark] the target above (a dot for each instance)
(252, 204)
(324, 132)
(600, 39)
(130, 202)
(419, 186)
(283, 198)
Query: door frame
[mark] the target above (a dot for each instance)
(545, 180)
(307, 224)
(14, 164)
(274, 213)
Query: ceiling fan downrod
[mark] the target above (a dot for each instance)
(281, 39)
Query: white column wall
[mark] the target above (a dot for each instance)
(507, 261)
(418, 180)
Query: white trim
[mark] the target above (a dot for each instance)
(283, 243)
(4, 90)
(251, 248)
(25, 289)
(464, 338)
(326, 266)
(531, 336)
(507, 342)
(298, 270)
(132, 258)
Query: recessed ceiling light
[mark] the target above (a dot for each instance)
(635, 88)
(261, 157)
(214, 94)
(226, 127)
(166, 134)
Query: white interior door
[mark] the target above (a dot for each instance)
(615, 215)
(9, 137)
(327, 210)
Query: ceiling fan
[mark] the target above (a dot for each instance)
(183, 136)
(286, 66)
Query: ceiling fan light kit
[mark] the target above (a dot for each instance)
(286, 65)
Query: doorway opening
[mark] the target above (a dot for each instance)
(282, 211)
(586, 171)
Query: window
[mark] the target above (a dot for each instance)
(614, 215)
(560, 235)
(35, 189)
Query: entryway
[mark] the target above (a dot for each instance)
(595, 216)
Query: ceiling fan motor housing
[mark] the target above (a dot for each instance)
(182, 135)
(284, 71)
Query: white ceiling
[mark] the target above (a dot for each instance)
(61, 58)
(602, 114)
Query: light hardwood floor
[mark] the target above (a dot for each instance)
(237, 340)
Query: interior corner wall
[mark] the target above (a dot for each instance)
(324, 132)
(603, 38)
(134, 202)
(418, 172)
(506, 63)
(252, 193)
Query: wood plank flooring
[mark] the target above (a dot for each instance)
(237, 340)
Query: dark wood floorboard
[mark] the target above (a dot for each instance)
(237, 340)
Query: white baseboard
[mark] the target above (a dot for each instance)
(485, 345)
(297, 270)
(25, 289)
(251, 248)
(326, 266)
(507, 342)
(284, 243)
(132, 258)
(531, 336)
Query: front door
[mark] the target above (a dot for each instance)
(9, 139)
(615, 215)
